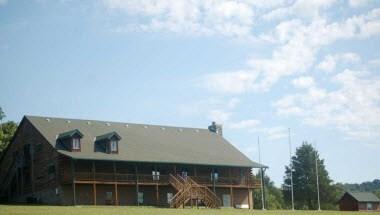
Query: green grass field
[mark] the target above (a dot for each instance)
(89, 210)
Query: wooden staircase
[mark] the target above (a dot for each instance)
(189, 190)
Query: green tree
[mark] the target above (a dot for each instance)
(377, 193)
(7, 131)
(274, 197)
(305, 181)
(2, 115)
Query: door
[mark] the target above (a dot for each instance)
(226, 200)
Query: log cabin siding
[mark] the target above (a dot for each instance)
(32, 182)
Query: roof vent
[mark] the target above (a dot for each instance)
(47, 119)
(68, 121)
(108, 124)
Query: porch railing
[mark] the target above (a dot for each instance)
(164, 179)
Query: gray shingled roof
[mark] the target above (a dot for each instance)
(364, 196)
(146, 143)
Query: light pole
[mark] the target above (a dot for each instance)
(291, 169)
(261, 176)
(316, 171)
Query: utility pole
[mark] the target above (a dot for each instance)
(291, 169)
(316, 171)
(261, 176)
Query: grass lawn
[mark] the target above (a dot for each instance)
(95, 210)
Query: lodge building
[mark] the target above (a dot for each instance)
(86, 162)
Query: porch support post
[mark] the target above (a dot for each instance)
(232, 196)
(94, 192)
(157, 195)
(94, 184)
(137, 186)
(73, 180)
(250, 199)
(116, 195)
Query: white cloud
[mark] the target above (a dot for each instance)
(303, 82)
(300, 8)
(359, 3)
(275, 133)
(296, 54)
(330, 61)
(230, 82)
(375, 63)
(232, 103)
(353, 108)
(255, 126)
(195, 17)
(244, 124)
(219, 116)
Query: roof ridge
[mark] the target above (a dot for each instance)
(118, 122)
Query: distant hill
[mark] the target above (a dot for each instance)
(369, 186)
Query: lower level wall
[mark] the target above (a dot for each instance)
(126, 195)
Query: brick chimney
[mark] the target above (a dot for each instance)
(216, 128)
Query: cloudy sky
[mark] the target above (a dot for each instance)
(258, 67)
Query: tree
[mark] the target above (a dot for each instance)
(7, 131)
(305, 181)
(2, 115)
(274, 197)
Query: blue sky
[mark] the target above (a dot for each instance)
(257, 67)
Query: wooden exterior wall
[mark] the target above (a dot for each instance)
(34, 175)
(363, 206)
(348, 203)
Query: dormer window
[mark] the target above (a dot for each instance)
(113, 146)
(76, 144)
(108, 143)
(70, 140)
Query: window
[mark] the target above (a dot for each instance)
(156, 175)
(27, 153)
(51, 169)
(39, 147)
(169, 196)
(109, 198)
(76, 144)
(113, 145)
(140, 198)
(184, 174)
(214, 176)
(369, 206)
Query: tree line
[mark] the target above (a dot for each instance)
(7, 130)
(305, 184)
